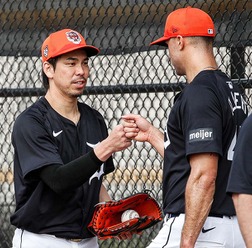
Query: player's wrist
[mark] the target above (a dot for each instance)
(154, 135)
(94, 157)
(103, 151)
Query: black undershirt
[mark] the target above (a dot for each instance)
(61, 178)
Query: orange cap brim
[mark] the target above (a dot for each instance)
(161, 41)
(90, 50)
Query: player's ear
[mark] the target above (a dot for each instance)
(48, 69)
(180, 42)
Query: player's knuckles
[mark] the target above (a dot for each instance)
(129, 124)
(120, 127)
(129, 129)
(118, 135)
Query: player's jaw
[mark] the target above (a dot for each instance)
(77, 87)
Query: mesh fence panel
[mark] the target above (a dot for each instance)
(127, 76)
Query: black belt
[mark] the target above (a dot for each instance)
(75, 240)
(172, 215)
(217, 215)
(210, 215)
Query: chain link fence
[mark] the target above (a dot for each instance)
(127, 76)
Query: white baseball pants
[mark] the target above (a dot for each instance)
(25, 239)
(216, 232)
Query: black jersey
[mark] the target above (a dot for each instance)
(42, 137)
(205, 118)
(240, 180)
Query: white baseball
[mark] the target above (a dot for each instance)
(129, 214)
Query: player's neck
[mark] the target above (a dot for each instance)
(198, 61)
(193, 71)
(65, 107)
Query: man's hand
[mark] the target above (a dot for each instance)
(116, 141)
(139, 129)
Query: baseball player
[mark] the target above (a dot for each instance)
(62, 150)
(198, 142)
(240, 180)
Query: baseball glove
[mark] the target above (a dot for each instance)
(106, 222)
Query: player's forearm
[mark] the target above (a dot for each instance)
(199, 197)
(61, 178)
(156, 139)
(243, 206)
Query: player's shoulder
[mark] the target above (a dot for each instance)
(210, 78)
(35, 111)
(214, 81)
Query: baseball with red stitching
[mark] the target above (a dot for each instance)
(129, 214)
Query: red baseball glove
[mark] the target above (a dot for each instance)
(106, 222)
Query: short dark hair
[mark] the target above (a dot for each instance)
(45, 80)
(208, 40)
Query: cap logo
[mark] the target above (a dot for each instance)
(73, 37)
(174, 29)
(210, 31)
(45, 52)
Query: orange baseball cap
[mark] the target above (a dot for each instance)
(186, 22)
(64, 41)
